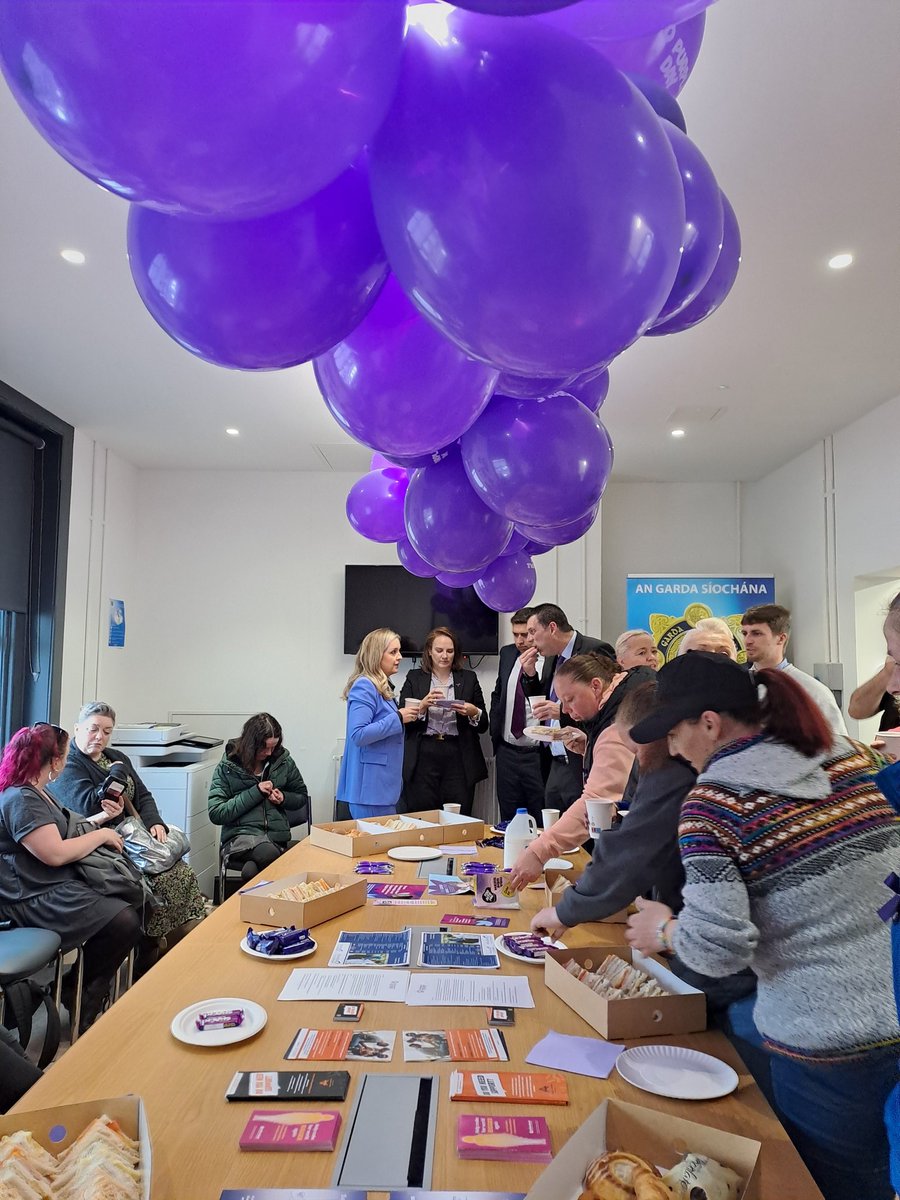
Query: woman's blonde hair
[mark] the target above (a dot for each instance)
(368, 662)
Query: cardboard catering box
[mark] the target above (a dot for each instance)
(682, 1011)
(433, 827)
(555, 881)
(660, 1140)
(56, 1128)
(261, 906)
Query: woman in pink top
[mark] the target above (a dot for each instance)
(590, 688)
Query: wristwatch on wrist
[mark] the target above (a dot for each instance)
(663, 938)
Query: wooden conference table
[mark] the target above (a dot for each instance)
(195, 1131)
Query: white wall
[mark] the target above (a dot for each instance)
(664, 529)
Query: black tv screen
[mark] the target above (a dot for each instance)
(375, 597)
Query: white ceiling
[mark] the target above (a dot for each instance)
(795, 103)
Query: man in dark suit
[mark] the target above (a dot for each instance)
(520, 782)
(554, 641)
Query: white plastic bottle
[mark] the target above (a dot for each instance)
(520, 833)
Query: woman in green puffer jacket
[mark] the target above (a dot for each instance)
(256, 788)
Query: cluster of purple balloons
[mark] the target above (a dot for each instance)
(461, 220)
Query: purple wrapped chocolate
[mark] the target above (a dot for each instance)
(525, 945)
(223, 1019)
(275, 942)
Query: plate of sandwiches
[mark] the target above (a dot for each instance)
(102, 1162)
(545, 733)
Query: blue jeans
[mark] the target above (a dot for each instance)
(834, 1115)
(736, 1022)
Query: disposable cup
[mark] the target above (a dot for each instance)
(599, 815)
(549, 816)
(412, 704)
(454, 808)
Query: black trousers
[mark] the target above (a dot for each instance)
(438, 779)
(565, 784)
(257, 859)
(520, 783)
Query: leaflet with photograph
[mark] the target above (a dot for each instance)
(365, 949)
(288, 1085)
(454, 1045)
(448, 885)
(448, 949)
(396, 891)
(509, 1087)
(342, 1045)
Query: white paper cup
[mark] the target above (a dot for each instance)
(599, 815)
(549, 816)
(533, 700)
(412, 704)
(454, 808)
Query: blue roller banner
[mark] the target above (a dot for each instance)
(669, 605)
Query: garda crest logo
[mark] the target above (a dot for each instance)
(668, 631)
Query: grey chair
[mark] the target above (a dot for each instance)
(23, 953)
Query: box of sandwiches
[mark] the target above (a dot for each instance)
(305, 899)
(625, 1149)
(98, 1148)
(377, 835)
(623, 994)
(556, 882)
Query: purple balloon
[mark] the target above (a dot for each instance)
(525, 387)
(397, 385)
(614, 20)
(264, 294)
(239, 110)
(458, 579)
(419, 460)
(704, 224)
(511, 8)
(560, 535)
(536, 548)
(662, 102)
(414, 563)
(379, 463)
(446, 522)
(516, 543)
(590, 391)
(538, 462)
(664, 55)
(718, 285)
(375, 506)
(534, 215)
(508, 583)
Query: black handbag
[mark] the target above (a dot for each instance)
(109, 872)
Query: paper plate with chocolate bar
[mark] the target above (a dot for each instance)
(278, 945)
(526, 947)
(221, 1021)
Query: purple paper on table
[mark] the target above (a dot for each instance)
(580, 1055)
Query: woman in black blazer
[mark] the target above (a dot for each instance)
(442, 757)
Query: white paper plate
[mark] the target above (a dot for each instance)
(676, 1072)
(544, 733)
(185, 1030)
(557, 864)
(276, 957)
(414, 853)
(521, 958)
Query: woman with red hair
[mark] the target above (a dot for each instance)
(39, 885)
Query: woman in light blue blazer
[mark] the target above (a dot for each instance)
(372, 766)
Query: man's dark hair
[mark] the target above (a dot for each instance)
(776, 616)
(521, 617)
(545, 613)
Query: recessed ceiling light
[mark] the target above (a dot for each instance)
(838, 261)
(677, 433)
(232, 432)
(76, 257)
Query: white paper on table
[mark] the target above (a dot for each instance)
(470, 991)
(345, 983)
(458, 848)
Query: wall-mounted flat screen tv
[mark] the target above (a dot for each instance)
(390, 596)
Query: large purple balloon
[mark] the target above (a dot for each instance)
(263, 294)
(613, 20)
(238, 109)
(538, 462)
(717, 287)
(591, 391)
(516, 543)
(458, 579)
(414, 563)
(527, 197)
(535, 548)
(662, 102)
(511, 8)
(397, 385)
(448, 524)
(529, 387)
(664, 54)
(560, 535)
(508, 583)
(704, 223)
(375, 506)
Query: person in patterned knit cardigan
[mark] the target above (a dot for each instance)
(785, 840)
